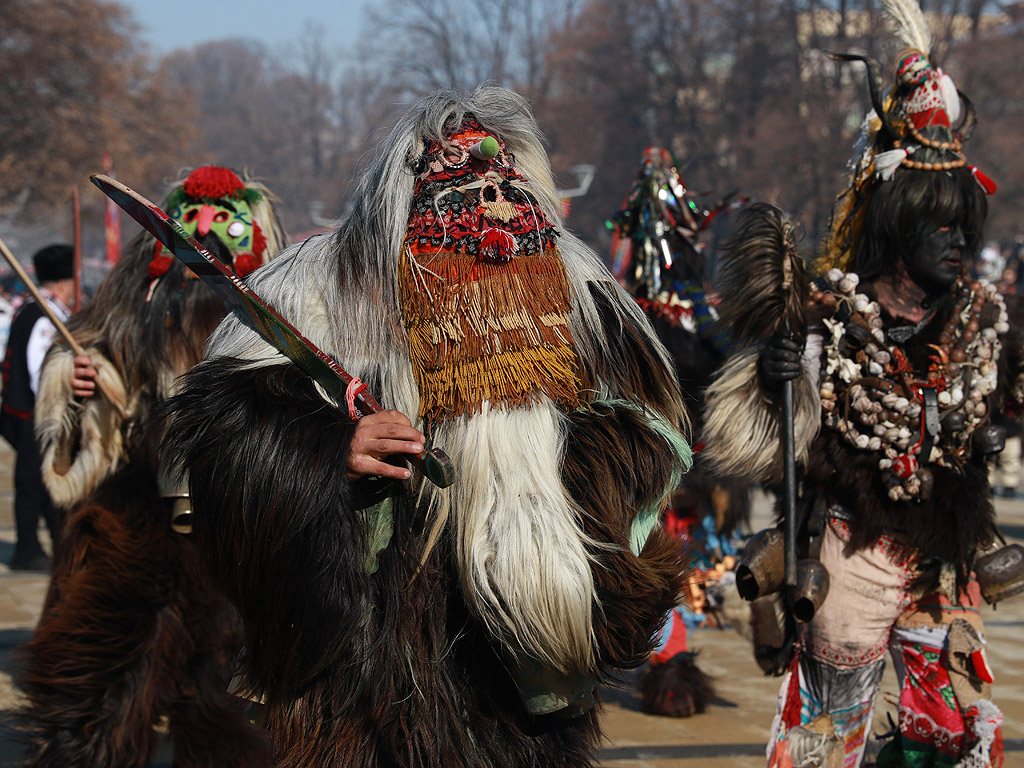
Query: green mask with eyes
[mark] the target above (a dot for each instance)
(214, 200)
(229, 220)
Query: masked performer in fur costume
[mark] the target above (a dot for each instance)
(904, 360)
(657, 253)
(390, 622)
(133, 633)
(660, 258)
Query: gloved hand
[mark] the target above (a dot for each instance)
(780, 361)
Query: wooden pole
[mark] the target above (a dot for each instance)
(78, 251)
(61, 328)
(789, 480)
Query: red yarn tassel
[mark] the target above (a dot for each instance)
(498, 246)
(983, 180)
(259, 241)
(160, 263)
(245, 263)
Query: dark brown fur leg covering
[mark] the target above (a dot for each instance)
(275, 522)
(420, 685)
(387, 669)
(131, 632)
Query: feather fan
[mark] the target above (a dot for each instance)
(761, 277)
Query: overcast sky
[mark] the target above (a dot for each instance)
(169, 25)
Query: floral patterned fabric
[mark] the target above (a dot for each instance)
(840, 659)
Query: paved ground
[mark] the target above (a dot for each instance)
(731, 734)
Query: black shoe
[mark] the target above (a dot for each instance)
(39, 562)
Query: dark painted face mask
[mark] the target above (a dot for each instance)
(938, 259)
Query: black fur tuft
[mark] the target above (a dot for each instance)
(761, 278)
(363, 670)
(949, 526)
(677, 688)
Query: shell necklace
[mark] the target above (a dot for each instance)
(875, 399)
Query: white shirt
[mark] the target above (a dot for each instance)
(42, 337)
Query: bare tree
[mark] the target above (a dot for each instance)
(990, 69)
(73, 84)
(318, 71)
(739, 90)
(429, 44)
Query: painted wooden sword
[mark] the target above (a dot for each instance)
(260, 316)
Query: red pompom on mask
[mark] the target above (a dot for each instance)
(211, 181)
(498, 246)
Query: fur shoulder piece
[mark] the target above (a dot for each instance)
(82, 442)
(741, 431)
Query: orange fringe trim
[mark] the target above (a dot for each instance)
(480, 331)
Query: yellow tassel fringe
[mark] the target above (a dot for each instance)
(480, 331)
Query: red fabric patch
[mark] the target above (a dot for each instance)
(245, 263)
(678, 523)
(929, 713)
(160, 264)
(676, 642)
(928, 117)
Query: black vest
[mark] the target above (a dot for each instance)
(19, 403)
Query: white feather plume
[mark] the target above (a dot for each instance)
(886, 163)
(951, 98)
(907, 23)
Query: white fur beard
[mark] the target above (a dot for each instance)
(521, 551)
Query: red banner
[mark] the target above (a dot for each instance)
(112, 219)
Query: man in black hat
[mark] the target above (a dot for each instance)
(31, 335)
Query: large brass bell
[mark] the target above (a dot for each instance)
(810, 591)
(1000, 574)
(763, 567)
